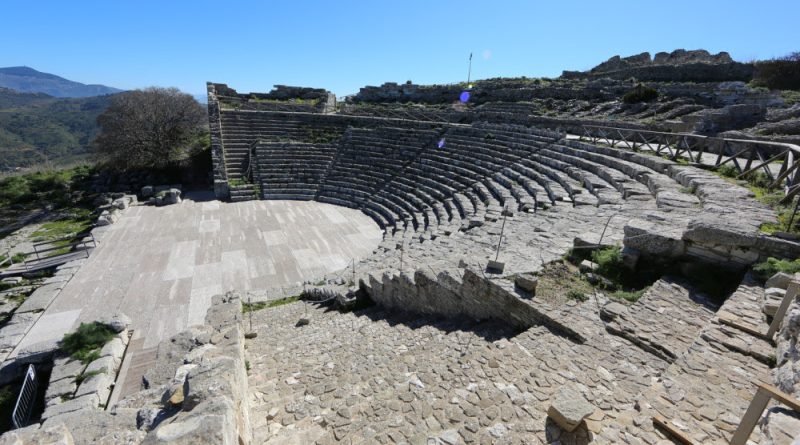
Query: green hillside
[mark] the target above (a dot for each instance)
(35, 128)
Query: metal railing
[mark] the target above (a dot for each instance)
(83, 243)
(26, 399)
(746, 156)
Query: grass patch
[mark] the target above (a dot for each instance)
(631, 296)
(63, 228)
(577, 295)
(86, 375)
(609, 263)
(763, 271)
(557, 280)
(688, 190)
(84, 344)
(251, 307)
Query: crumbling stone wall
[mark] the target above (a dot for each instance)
(677, 66)
(197, 394)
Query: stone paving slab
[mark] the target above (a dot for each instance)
(665, 320)
(161, 265)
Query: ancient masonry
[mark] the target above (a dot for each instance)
(459, 347)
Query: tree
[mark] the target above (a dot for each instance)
(150, 128)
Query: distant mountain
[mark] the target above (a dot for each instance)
(35, 127)
(28, 80)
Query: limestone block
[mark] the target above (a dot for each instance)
(147, 191)
(569, 408)
(98, 385)
(780, 280)
(495, 266)
(773, 297)
(117, 322)
(115, 348)
(89, 401)
(57, 434)
(66, 368)
(527, 282)
(587, 266)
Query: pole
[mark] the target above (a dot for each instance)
(469, 72)
(502, 229)
(402, 249)
(250, 303)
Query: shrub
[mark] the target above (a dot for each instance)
(633, 296)
(85, 342)
(609, 263)
(640, 93)
(728, 171)
(576, 295)
(773, 265)
(782, 73)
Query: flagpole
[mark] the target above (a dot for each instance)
(469, 73)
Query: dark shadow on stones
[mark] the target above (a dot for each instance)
(555, 434)
(199, 196)
(489, 330)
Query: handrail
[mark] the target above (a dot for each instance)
(22, 409)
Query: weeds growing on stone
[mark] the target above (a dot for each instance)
(251, 307)
(86, 375)
(577, 295)
(84, 344)
(772, 266)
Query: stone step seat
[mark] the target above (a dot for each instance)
(412, 193)
(464, 205)
(585, 178)
(399, 207)
(402, 200)
(482, 150)
(379, 219)
(500, 193)
(289, 196)
(355, 199)
(408, 196)
(525, 200)
(336, 201)
(665, 321)
(456, 168)
(428, 189)
(467, 161)
(628, 186)
(345, 183)
(371, 179)
(299, 188)
(535, 191)
(534, 180)
(390, 218)
(451, 175)
(648, 169)
(599, 188)
(569, 185)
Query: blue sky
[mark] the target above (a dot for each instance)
(343, 45)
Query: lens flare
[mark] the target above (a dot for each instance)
(464, 98)
(440, 144)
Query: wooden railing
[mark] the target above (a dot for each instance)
(746, 156)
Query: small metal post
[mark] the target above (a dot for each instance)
(791, 218)
(250, 303)
(502, 230)
(402, 249)
(354, 272)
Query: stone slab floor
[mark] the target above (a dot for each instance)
(162, 265)
(376, 376)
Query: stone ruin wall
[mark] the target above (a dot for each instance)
(280, 98)
(677, 66)
(196, 393)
